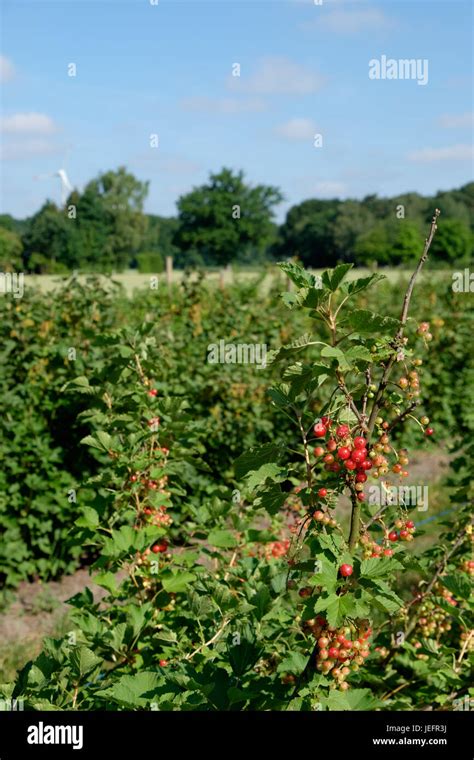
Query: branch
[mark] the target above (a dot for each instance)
(208, 643)
(403, 319)
(402, 416)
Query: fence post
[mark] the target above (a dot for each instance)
(169, 271)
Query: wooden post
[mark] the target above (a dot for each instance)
(169, 271)
(228, 270)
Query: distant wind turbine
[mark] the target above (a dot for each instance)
(66, 186)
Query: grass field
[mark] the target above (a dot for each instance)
(133, 280)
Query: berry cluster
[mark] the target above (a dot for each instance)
(381, 447)
(343, 454)
(339, 650)
(403, 530)
(469, 637)
(468, 566)
(277, 548)
(433, 621)
(372, 549)
(424, 331)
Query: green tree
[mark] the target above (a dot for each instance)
(352, 220)
(407, 241)
(224, 218)
(110, 219)
(10, 250)
(373, 246)
(308, 233)
(453, 242)
(48, 239)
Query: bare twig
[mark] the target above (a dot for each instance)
(208, 643)
(403, 318)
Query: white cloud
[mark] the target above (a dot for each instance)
(7, 69)
(454, 121)
(277, 75)
(27, 123)
(451, 153)
(350, 21)
(297, 129)
(28, 149)
(223, 105)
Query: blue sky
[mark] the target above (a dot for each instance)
(166, 69)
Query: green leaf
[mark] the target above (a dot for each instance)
(336, 607)
(378, 567)
(175, 583)
(297, 274)
(354, 699)
(292, 349)
(270, 471)
(326, 577)
(89, 518)
(295, 663)
(336, 353)
(89, 440)
(262, 602)
(107, 581)
(133, 691)
(271, 499)
(254, 458)
(83, 660)
(358, 353)
(365, 321)
(105, 439)
(361, 283)
(332, 278)
(458, 585)
(223, 539)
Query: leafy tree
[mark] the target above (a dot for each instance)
(226, 217)
(49, 236)
(373, 246)
(308, 233)
(407, 242)
(352, 220)
(454, 241)
(10, 250)
(110, 218)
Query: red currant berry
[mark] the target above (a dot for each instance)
(343, 452)
(359, 442)
(322, 493)
(393, 535)
(429, 431)
(346, 570)
(319, 430)
(361, 477)
(342, 431)
(358, 456)
(349, 464)
(331, 445)
(367, 464)
(318, 451)
(410, 524)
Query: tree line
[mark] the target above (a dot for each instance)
(227, 220)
